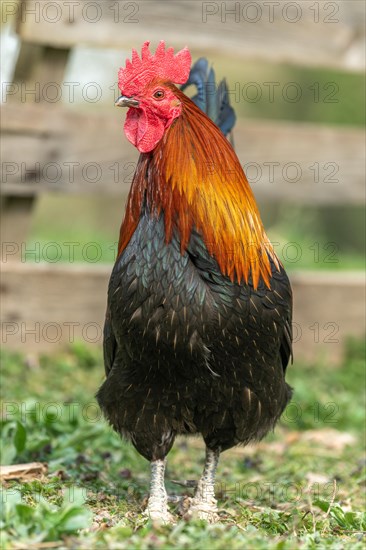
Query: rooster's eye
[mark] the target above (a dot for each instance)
(159, 94)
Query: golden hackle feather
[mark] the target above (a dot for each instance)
(195, 179)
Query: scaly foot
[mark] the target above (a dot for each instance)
(157, 505)
(203, 504)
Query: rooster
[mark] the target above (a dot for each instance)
(198, 326)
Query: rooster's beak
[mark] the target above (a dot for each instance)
(124, 101)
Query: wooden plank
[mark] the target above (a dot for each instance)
(58, 305)
(23, 472)
(26, 118)
(323, 33)
(301, 163)
(328, 308)
(63, 303)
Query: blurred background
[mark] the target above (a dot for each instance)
(295, 77)
(295, 72)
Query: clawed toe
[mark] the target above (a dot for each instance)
(203, 509)
(159, 515)
(194, 508)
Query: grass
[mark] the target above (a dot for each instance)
(302, 487)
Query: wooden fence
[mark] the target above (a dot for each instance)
(43, 144)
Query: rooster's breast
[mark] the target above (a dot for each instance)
(160, 307)
(179, 312)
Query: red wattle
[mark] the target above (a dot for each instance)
(144, 130)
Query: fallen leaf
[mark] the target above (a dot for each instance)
(314, 477)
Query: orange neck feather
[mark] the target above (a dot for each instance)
(194, 177)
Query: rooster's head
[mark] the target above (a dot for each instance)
(147, 88)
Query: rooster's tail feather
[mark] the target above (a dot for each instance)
(211, 98)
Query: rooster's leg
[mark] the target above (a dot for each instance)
(204, 504)
(157, 506)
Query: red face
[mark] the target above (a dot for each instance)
(146, 122)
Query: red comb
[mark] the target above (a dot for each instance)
(164, 65)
